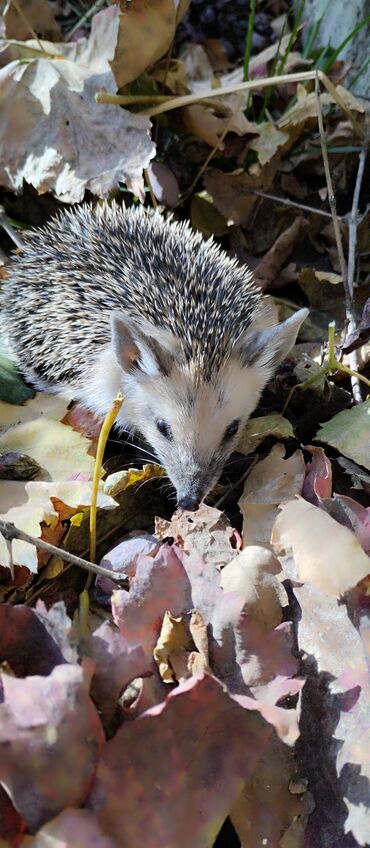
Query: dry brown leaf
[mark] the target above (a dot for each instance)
(268, 269)
(270, 482)
(206, 531)
(268, 141)
(38, 14)
(326, 554)
(146, 31)
(52, 132)
(232, 192)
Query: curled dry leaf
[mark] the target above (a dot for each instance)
(146, 31)
(272, 263)
(318, 480)
(48, 720)
(270, 482)
(325, 553)
(48, 107)
(209, 765)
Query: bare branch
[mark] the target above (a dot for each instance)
(10, 532)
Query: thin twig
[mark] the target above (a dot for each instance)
(331, 195)
(354, 219)
(9, 532)
(285, 202)
(352, 244)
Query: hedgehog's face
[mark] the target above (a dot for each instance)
(193, 424)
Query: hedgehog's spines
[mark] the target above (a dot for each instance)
(86, 263)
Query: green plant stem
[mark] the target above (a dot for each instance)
(248, 44)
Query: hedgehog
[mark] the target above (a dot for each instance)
(110, 299)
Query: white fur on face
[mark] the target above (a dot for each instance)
(198, 413)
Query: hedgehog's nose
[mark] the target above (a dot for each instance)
(189, 502)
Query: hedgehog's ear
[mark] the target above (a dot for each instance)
(142, 346)
(268, 347)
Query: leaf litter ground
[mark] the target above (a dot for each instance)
(225, 673)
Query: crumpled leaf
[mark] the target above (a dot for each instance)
(352, 515)
(326, 554)
(116, 665)
(306, 106)
(348, 432)
(256, 430)
(248, 645)
(119, 481)
(206, 531)
(48, 720)
(146, 31)
(209, 121)
(224, 730)
(272, 481)
(268, 141)
(318, 480)
(173, 652)
(71, 829)
(54, 135)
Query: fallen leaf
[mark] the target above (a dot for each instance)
(268, 269)
(146, 31)
(206, 531)
(48, 107)
(348, 432)
(268, 141)
(157, 788)
(272, 481)
(43, 720)
(256, 430)
(37, 14)
(325, 553)
(318, 480)
(337, 683)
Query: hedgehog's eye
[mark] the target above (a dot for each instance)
(164, 429)
(231, 430)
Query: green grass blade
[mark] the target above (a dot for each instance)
(248, 43)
